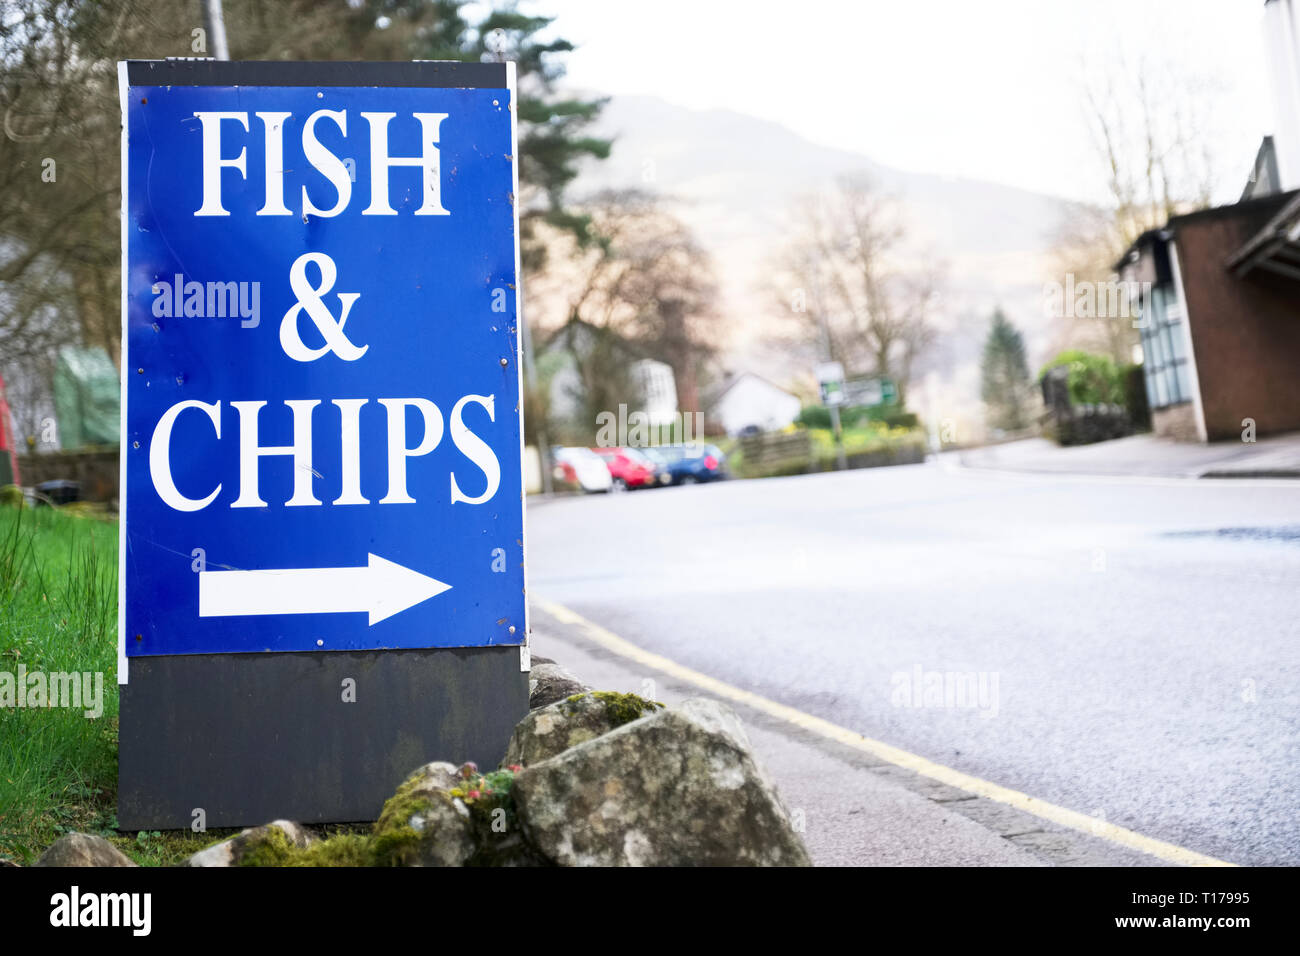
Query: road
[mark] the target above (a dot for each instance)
(1135, 642)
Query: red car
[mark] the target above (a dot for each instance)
(628, 468)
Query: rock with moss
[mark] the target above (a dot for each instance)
(423, 823)
(441, 815)
(549, 683)
(11, 496)
(676, 787)
(270, 845)
(83, 849)
(569, 722)
(489, 797)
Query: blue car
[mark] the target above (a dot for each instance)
(688, 464)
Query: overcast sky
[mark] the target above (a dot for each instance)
(986, 89)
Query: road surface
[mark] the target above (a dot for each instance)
(1125, 648)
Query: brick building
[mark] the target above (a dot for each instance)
(1220, 300)
(1221, 319)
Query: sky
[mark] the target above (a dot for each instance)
(982, 89)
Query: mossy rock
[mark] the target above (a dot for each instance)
(11, 496)
(423, 824)
(441, 815)
(620, 708)
(274, 844)
(274, 848)
(554, 729)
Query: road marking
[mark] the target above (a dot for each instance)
(901, 758)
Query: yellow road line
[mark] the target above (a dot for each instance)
(901, 758)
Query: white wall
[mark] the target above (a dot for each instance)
(753, 401)
(1282, 46)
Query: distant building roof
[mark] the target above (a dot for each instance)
(714, 395)
(1264, 179)
(1275, 243)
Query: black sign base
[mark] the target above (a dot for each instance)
(323, 737)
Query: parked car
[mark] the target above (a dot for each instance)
(628, 468)
(578, 469)
(663, 471)
(688, 464)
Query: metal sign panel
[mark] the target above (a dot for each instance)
(829, 372)
(322, 438)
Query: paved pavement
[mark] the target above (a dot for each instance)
(1277, 456)
(1136, 640)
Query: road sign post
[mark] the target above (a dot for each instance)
(830, 379)
(322, 559)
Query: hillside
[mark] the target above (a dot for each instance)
(735, 179)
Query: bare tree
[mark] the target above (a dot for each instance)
(856, 284)
(671, 283)
(640, 288)
(60, 141)
(1148, 123)
(1148, 130)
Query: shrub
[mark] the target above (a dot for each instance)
(895, 416)
(1093, 379)
(814, 416)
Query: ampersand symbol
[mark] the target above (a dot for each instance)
(312, 299)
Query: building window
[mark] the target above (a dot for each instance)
(1164, 348)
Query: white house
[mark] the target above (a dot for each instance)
(749, 401)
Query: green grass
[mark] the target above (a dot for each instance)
(58, 612)
(165, 848)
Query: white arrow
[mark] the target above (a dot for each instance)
(381, 589)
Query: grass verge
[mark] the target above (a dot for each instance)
(58, 613)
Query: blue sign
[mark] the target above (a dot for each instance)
(321, 398)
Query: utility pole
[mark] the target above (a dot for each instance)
(214, 22)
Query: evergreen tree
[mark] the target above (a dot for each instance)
(1005, 375)
(553, 137)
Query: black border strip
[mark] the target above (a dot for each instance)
(445, 74)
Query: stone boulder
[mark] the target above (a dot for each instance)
(83, 849)
(553, 729)
(678, 787)
(248, 847)
(423, 824)
(548, 683)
